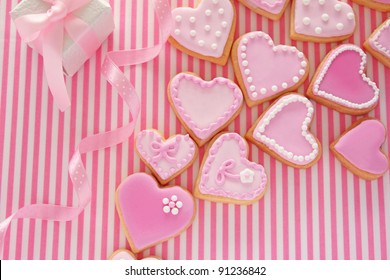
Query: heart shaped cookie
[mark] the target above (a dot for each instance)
(151, 215)
(122, 254)
(283, 131)
(321, 20)
(166, 158)
(226, 175)
(206, 31)
(359, 149)
(378, 44)
(204, 107)
(341, 84)
(379, 5)
(272, 9)
(265, 71)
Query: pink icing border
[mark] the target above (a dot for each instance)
(374, 42)
(273, 8)
(213, 127)
(243, 153)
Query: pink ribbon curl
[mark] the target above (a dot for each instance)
(225, 172)
(167, 151)
(118, 80)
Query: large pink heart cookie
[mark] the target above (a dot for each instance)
(166, 158)
(265, 71)
(204, 107)
(341, 83)
(359, 149)
(126, 255)
(321, 20)
(151, 215)
(205, 32)
(283, 131)
(226, 175)
(272, 9)
(378, 44)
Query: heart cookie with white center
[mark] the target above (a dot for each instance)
(265, 71)
(378, 44)
(379, 5)
(359, 149)
(166, 158)
(321, 20)
(272, 9)
(206, 31)
(341, 83)
(283, 131)
(126, 255)
(226, 174)
(151, 215)
(204, 107)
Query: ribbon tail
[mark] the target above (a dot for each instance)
(52, 60)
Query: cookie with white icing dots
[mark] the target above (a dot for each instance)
(204, 107)
(265, 71)
(379, 5)
(340, 82)
(150, 214)
(226, 174)
(283, 131)
(272, 9)
(126, 255)
(378, 44)
(321, 20)
(359, 149)
(205, 32)
(166, 158)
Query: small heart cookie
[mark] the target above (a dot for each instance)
(359, 149)
(341, 83)
(283, 131)
(379, 5)
(265, 71)
(166, 158)
(378, 44)
(204, 107)
(226, 175)
(272, 9)
(122, 254)
(206, 31)
(321, 20)
(151, 215)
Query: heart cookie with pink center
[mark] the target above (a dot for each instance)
(341, 83)
(204, 107)
(265, 71)
(378, 44)
(283, 131)
(166, 158)
(272, 9)
(151, 215)
(206, 31)
(126, 255)
(321, 20)
(359, 149)
(226, 175)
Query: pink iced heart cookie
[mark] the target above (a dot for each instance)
(226, 175)
(166, 158)
(380, 5)
(265, 71)
(204, 107)
(341, 83)
(272, 9)
(283, 131)
(122, 254)
(151, 215)
(359, 149)
(321, 20)
(206, 31)
(378, 44)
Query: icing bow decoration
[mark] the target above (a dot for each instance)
(165, 150)
(225, 172)
(47, 30)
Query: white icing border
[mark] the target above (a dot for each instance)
(339, 100)
(375, 42)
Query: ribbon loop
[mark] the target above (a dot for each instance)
(225, 171)
(58, 11)
(167, 151)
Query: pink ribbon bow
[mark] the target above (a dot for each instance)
(225, 172)
(48, 28)
(164, 150)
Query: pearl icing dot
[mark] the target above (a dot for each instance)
(208, 12)
(306, 2)
(192, 19)
(214, 46)
(318, 30)
(178, 18)
(325, 17)
(340, 26)
(306, 20)
(337, 7)
(218, 34)
(224, 24)
(207, 27)
(221, 11)
(192, 33)
(201, 43)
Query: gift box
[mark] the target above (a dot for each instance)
(96, 15)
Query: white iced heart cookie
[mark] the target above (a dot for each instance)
(272, 9)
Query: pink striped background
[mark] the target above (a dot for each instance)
(321, 213)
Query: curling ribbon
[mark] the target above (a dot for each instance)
(96, 142)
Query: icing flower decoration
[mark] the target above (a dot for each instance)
(172, 205)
